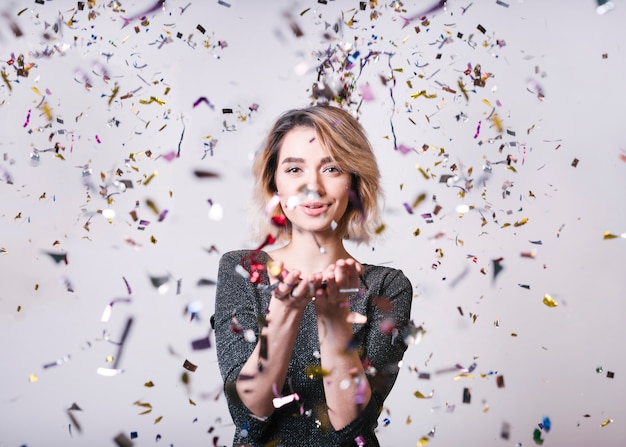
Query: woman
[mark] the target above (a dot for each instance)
(309, 340)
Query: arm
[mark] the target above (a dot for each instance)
(266, 369)
(245, 367)
(346, 388)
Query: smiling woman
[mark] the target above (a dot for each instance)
(310, 184)
(345, 144)
(309, 340)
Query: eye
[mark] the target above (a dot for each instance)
(293, 170)
(333, 170)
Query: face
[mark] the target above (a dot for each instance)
(313, 189)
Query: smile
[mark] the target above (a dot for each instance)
(314, 209)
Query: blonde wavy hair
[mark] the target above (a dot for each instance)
(345, 139)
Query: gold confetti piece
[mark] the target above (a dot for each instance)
(149, 179)
(608, 235)
(33, 378)
(419, 199)
(605, 423)
(151, 100)
(521, 222)
(114, 93)
(549, 301)
(424, 173)
(142, 404)
(316, 372)
(157, 420)
(380, 229)
(192, 402)
(47, 111)
(422, 396)
(153, 240)
(7, 81)
(424, 94)
(422, 442)
(150, 204)
(149, 384)
(274, 268)
(497, 122)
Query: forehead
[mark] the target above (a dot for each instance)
(303, 142)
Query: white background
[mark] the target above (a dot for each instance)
(554, 360)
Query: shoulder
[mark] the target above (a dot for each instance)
(385, 277)
(242, 261)
(243, 256)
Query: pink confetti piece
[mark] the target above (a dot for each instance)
(366, 93)
(170, 156)
(477, 130)
(404, 149)
(27, 118)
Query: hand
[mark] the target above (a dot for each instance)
(333, 288)
(289, 288)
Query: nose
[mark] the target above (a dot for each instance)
(314, 188)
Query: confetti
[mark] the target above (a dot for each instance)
(419, 395)
(158, 5)
(27, 119)
(58, 257)
(189, 366)
(201, 100)
(467, 396)
(279, 402)
(549, 301)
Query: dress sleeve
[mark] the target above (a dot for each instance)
(236, 311)
(238, 305)
(388, 318)
(389, 312)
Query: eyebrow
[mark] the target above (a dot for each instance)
(301, 160)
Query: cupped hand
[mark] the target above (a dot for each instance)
(289, 288)
(334, 286)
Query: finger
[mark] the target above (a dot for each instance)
(286, 282)
(341, 272)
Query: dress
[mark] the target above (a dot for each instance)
(239, 302)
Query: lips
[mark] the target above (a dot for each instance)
(314, 208)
